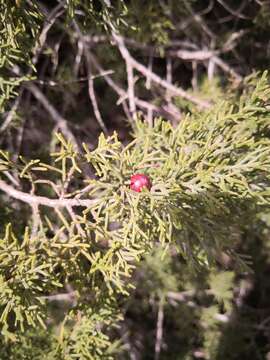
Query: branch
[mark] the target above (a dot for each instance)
(91, 89)
(70, 297)
(183, 54)
(196, 54)
(159, 330)
(42, 200)
(11, 113)
(58, 119)
(150, 75)
(235, 13)
(50, 20)
(225, 67)
(143, 104)
(131, 92)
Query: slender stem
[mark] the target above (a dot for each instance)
(159, 330)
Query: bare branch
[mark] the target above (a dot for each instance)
(11, 113)
(235, 13)
(150, 67)
(153, 51)
(198, 17)
(42, 200)
(36, 220)
(78, 58)
(70, 297)
(194, 55)
(58, 119)
(169, 77)
(147, 73)
(53, 83)
(131, 91)
(145, 105)
(11, 178)
(91, 89)
(159, 330)
(92, 96)
(225, 67)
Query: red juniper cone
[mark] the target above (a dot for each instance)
(140, 181)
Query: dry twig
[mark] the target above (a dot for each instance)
(58, 119)
(159, 330)
(91, 89)
(33, 200)
(154, 77)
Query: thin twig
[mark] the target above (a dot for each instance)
(78, 58)
(147, 73)
(11, 178)
(36, 220)
(159, 330)
(91, 89)
(198, 17)
(150, 67)
(154, 51)
(58, 119)
(76, 223)
(225, 67)
(235, 13)
(61, 83)
(169, 77)
(11, 113)
(70, 297)
(50, 20)
(131, 91)
(143, 104)
(92, 96)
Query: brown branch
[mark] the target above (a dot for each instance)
(91, 89)
(159, 330)
(153, 51)
(235, 13)
(143, 104)
(131, 91)
(50, 21)
(11, 113)
(53, 83)
(226, 68)
(58, 119)
(154, 77)
(93, 99)
(194, 55)
(70, 297)
(42, 200)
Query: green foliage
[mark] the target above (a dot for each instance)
(25, 274)
(193, 305)
(161, 276)
(9, 89)
(31, 344)
(210, 176)
(101, 12)
(19, 28)
(85, 340)
(88, 280)
(221, 285)
(20, 22)
(154, 29)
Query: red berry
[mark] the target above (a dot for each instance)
(140, 181)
